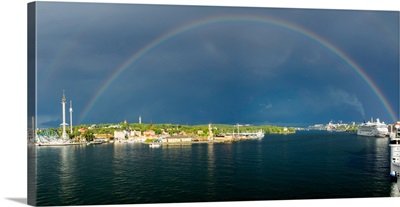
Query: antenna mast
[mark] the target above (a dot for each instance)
(70, 113)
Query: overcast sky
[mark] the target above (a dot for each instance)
(197, 65)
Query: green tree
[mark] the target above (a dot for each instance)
(88, 135)
(74, 134)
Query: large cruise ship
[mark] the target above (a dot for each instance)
(373, 129)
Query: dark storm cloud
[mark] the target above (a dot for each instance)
(225, 72)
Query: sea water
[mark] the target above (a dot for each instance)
(304, 165)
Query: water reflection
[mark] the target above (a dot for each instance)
(227, 156)
(67, 173)
(130, 173)
(119, 171)
(210, 160)
(373, 161)
(259, 159)
(377, 153)
(211, 170)
(32, 173)
(382, 152)
(118, 156)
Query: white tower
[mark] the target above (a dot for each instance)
(140, 119)
(70, 114)
(210, 133)
(63, 101)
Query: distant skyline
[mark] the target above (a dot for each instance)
(196, 65)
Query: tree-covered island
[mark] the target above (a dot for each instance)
(150, 132)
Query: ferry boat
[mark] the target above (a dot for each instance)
(155, 145)
(246, 135)
(394, 145)
(373, 129)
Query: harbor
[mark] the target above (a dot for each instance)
(213, 140)
(125, 133)
(211, 172)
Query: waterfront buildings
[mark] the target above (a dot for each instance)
(176, 139)
(120, 135)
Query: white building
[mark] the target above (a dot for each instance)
(135, 133)
(119, 135)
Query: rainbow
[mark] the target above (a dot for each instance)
(223, 19)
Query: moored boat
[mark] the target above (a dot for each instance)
(373, 129)
(394, 145)
(94, 142)
(155, 145)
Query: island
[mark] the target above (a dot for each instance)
(165, 133)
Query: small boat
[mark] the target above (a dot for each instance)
(155, 145)
(94, 142)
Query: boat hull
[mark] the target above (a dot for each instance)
(372, 134)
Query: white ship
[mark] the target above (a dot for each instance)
(394, 144)
(373, 129)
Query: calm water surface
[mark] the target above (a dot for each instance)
(304, 165)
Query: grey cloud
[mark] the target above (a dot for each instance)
(215, 68)
(341, 97)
